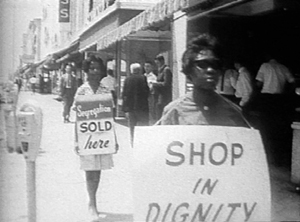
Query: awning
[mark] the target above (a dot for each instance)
(50, 63)
(25, 68)
(30, 66)
(207, 7)
(71, 48)
(145, 19)
(34, 65)
(75, 56)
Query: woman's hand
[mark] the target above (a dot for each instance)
(117, 148)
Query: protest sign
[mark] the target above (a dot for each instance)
(200, 173)
(95, 124)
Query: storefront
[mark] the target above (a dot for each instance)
(139, 40)
(249, 31)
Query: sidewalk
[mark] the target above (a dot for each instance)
(61, 192)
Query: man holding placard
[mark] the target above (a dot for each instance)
(95, 133)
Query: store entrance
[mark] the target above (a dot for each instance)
(250, 38)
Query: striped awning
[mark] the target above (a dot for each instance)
(70, 48)
(145, 19)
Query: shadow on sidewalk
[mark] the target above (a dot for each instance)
(110, 217)
(122, 121)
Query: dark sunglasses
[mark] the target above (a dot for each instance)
(205, 64)
(94, 69)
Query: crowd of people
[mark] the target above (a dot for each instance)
(215, 99)
(264, 100)
(224, 93)
(267, 98)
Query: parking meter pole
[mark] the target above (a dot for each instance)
(30, 131)
(31, 190)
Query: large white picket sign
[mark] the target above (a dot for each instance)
(95, 124)
(200, 173)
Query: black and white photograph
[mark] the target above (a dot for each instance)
(149, 110)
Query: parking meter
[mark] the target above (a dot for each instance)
(29, 130)
(29, 137)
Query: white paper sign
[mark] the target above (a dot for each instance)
(200, 173)
(95, 124)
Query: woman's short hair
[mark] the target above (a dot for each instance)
(202, 42)
(87, 62)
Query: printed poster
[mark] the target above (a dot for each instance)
(95, 124)
(200, 173)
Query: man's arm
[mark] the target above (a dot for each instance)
(167, 79)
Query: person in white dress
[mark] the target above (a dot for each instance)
(93, 164)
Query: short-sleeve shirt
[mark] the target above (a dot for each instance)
(94, 162)
(243, 86)
(151, 77)
(184, 111)
(274, 76)
(109, 82)
(227, 83)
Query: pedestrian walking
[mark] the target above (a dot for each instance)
(67, 91)
(203, 105)
(93, 164)
(135, 99)
(163, 85)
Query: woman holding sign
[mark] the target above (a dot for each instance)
(93, 164)
(202, 106)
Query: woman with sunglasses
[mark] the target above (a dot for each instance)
(202, 106)
(93, 164)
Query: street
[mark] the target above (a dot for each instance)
(61, 192)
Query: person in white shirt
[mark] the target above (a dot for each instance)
(68, 87)
(151, 78)
(227, 83)
(110, 82)
(243, 85)
(272, 77)
(276, 109)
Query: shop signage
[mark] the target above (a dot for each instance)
(95, 125)
(199, 173)
(64, 11)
